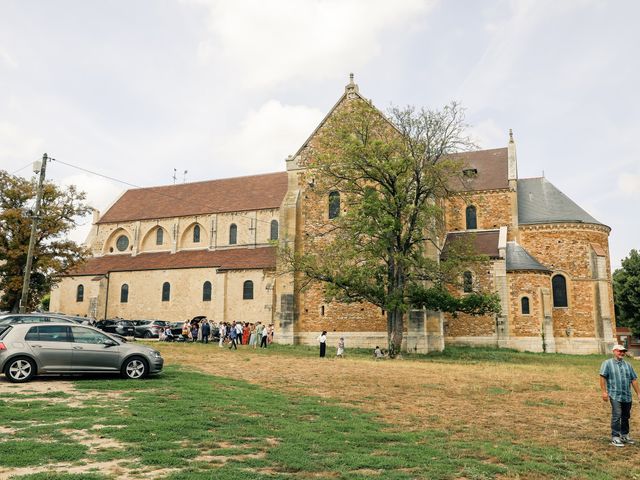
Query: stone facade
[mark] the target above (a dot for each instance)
(550, 236)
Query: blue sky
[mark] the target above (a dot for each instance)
(228, 88)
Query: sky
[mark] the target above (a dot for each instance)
(218, 89)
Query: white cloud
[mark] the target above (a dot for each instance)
(267, 135)
(7, 60)
(629, 183)
(18, 146)
(487, 134)
(264, 43)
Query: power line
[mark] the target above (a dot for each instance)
(21, 168)
(96, 173)
(138, 186)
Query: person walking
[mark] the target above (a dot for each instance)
(323, 344)
(233, 336)
(264, 334)
(616, 379)
(223, 333)
(340, 349)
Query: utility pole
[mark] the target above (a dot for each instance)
(37, 167)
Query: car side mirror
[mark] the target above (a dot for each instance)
(110, 343)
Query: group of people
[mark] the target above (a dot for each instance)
(227, 334)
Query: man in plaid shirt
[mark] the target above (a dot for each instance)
(616, 378)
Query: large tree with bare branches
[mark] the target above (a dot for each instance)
(393, 175)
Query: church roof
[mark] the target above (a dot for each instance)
(489, 170)
(232, 259)
(519, 259)
(539, 201)
(256, 192)
(484, 242)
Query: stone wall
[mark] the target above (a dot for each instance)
(493, 210)
(464, 325)
(186, 299)
(567, 249)
(253, 229)
(526, 284)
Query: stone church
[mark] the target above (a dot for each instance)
(209, 248)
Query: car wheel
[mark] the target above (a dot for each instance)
(135, 367)
(148, 334)
(20, 370)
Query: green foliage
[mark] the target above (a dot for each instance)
(53, 254)
(393, 175)
(626, 292)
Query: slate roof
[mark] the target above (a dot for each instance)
(539, 201)
(492, 166)
(233, 259)
(256, 192)
(519, 259)
(484, 242)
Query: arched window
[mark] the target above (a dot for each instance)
(274, 230)
(334, 204)
(472, 222)
(166, 291)
(196, 234)
(247, 290)
(159, 236)
(559, 287)
(467, 282)
(524, 305)
(124, 293)
(233, 234)
(206, 291)
(80, 293)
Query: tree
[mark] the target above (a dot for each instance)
(53, 254)
(626, 292)
(393, 176)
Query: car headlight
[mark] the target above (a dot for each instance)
(156, 354)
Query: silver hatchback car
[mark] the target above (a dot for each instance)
(30, 349)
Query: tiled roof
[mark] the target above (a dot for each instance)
(233, 259)
(484, 242)
(539, 201)
(238, 194)
(492, 170)
(519, 259)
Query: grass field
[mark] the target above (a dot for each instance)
(283, 413)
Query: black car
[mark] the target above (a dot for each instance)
(149, 328)
(126, 328)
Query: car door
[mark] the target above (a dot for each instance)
(93, 350)
(51, 346)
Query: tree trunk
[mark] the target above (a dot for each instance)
(395, 321)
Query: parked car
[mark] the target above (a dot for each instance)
(149, 328)
(27, 350)
(126, 328)
(16, 318)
